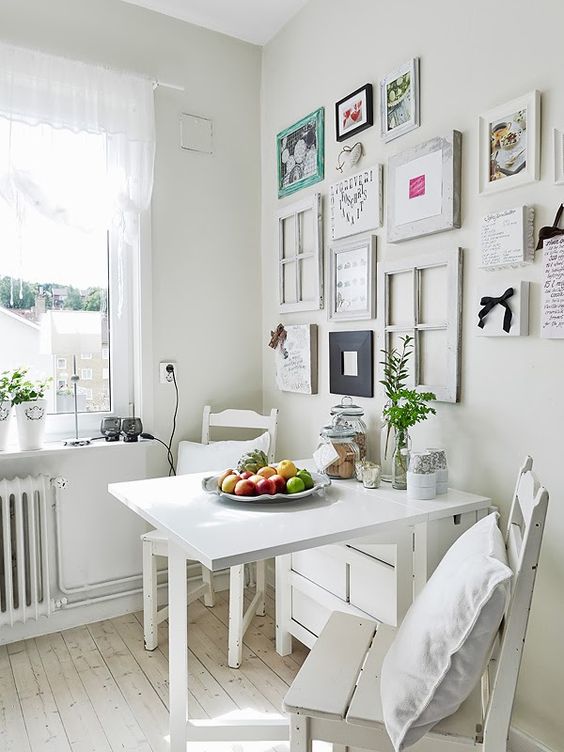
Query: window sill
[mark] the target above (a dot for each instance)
(57, 447)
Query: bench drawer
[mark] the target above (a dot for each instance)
(322, 566)
(373, 588)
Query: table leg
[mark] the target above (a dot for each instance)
(283, 604)
(178, 647)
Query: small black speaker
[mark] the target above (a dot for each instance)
(131, 428)
(110, 427)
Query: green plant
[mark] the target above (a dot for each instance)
(408, 408)
(22, 389)
(395, 368)
(5, 382)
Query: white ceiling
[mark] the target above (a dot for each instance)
(255, 21)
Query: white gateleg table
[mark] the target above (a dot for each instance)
(221, 533)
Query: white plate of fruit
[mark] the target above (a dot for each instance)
(257, 481)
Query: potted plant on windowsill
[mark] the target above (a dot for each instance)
(31, 408)
(5, 408)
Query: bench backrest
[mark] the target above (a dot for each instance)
(525, 529)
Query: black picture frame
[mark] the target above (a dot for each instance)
(367, 90)
(361, 342)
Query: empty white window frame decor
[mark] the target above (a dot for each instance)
(421, 297)
(300, 257)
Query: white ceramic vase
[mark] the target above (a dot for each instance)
(31, 417)
(5, 412)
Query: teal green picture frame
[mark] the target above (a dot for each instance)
(310, 127)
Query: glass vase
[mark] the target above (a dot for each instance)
(401, 460)
(387, 447)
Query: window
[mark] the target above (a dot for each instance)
(63, 273)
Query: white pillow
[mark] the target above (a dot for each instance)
(445, 639)
(217, 455)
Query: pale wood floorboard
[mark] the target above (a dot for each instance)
(96, 689)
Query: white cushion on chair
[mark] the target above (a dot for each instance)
(444, 642)
(217, 455)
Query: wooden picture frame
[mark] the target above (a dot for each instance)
(424, 185)
(409, 303)
(400, 114)
(352, 287)
(300, 256)
(356, 348)
(509, 144)
(356, 107)
(300, 153)
(356, 203)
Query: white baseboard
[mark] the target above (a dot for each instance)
(78, 615)
(520, 741)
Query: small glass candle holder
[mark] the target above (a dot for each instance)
(371, 475)
(359, 469)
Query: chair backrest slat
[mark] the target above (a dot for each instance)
(523, 540)
(241, 419)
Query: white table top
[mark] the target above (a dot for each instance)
(222, 533)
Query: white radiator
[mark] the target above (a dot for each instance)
(24, 566)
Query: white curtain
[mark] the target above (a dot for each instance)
(37, 88)
(77, 145)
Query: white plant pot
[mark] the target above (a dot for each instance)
(5, 412)
(31, 417)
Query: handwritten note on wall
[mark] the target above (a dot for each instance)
(552, 320)
(506, 238)
(296, 360)
(356, 203)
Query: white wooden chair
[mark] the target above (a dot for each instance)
(155, 544)
(336, 695)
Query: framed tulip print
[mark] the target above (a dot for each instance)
(354, 113)
(300, 153)
(399, 100)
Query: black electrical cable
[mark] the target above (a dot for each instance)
(169, 456)
(172, 471)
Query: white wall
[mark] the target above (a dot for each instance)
(204, 277)
(474, 56)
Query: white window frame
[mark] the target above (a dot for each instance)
(413, 265)
(130, 270)
(61, 363)
(86, 356)
(86, 374)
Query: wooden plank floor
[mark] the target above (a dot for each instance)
(96, 689)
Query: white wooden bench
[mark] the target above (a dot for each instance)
(336, 695)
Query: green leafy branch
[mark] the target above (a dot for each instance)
(409, 407)
(395, 368)
(17, 388)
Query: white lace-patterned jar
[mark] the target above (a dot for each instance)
(421, 476)
(439, 459)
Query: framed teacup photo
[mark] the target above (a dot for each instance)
(510, 144)
(354, 113)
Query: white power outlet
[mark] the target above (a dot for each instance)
(166, 376)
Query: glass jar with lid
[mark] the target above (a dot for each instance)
(341, 436)
(353, 415)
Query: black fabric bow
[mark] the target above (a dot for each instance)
(490, 303)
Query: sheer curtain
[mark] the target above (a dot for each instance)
(44, 97)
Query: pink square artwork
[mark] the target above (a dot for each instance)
(417, 186)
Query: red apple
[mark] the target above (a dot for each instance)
(279, 483)
(246, 475)
(266, 486)
(245, 487)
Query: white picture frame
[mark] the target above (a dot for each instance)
(423, 189)
(558, 142)
(352, 289)
(355, 203)
(297, 360)
(403, 110)
(509, 144)
(405, 308)
(300, 256)
(507, 238)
